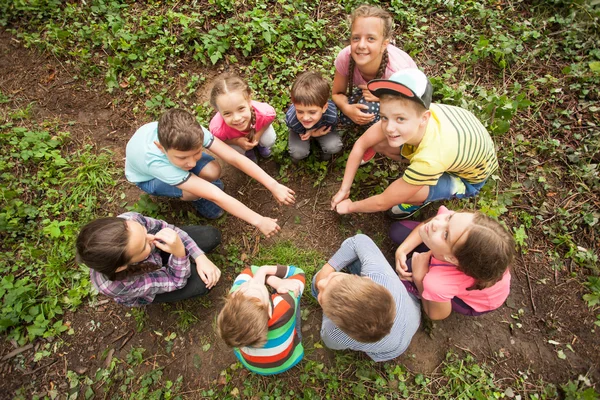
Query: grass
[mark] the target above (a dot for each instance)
(529, 70)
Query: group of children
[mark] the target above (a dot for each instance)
(455, 261)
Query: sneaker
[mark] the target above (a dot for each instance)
(207, 209)
(251, 155)
(265, 152)
(325, 156)
(368, 156)
(402, 211)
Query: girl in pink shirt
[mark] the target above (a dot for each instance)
(240, 121)
(461, 262)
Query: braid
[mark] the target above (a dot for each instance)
(351, 66)
(252, 132)
(382, 65)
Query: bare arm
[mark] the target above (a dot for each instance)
(281, 193)
(398, 192)
(434, 309)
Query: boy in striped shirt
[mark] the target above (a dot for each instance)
(264, 328)
(451, 154)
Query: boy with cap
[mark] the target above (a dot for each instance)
(451, 154)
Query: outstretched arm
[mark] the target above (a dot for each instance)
(397, 193)
(282, 194)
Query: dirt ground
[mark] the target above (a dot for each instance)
(552, 311)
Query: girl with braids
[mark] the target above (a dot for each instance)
(369, 56)
(460, 262)
(240, 121)
(138, 260)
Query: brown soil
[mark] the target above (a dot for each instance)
(551, 302)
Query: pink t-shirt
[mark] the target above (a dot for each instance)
(265, 114)
(397, 60)
(444, 281)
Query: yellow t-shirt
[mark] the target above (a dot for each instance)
(454, 142)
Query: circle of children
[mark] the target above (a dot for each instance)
(456, 261)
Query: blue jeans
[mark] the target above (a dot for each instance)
(205, 208)
(354, 268)
(450, 186)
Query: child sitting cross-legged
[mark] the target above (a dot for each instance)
(264, 328)
(312, 115)
(367, 309)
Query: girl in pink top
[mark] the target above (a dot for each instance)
(240, 121)
(462, 265)
(369, 56)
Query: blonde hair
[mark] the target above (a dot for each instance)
(367, 11)
(361, 308)
(416, 106)
(243, 321)
(229, 83)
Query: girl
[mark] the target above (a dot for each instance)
(465, 267)
(369, 56)
(240, 121)
(138, 260)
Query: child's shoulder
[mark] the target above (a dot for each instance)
(263, 108)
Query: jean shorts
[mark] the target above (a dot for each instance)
(450, 186)
(157, 187)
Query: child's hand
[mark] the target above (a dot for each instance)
(367, 95)
(322, 131)
(169, 241)
(208, 272)
(339, 196)
(306, 135)
(284, 195)
(357, 116)
(289, 285)
(268, 226)
(246, 144)
(343, 207)
(401, 267)
(420, 265)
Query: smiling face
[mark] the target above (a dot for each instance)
(367, 43)
(401, 121)
(309, 115)
(235, 108)
(443, 232)
(140, 242)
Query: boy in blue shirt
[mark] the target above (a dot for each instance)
(165, 158)
(312, 115)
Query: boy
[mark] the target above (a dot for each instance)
(165, 158)
(312, 115)
(451, 153)
(263, 328)
(368, 309)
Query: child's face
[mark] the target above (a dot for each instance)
(185, 160)
(445, 231)
(140, 242)
(253, 288)
(366, 41)
(401, 122)
(328, 284)
(309, 115)
(234, 107)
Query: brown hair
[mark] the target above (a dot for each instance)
(243, 321)
(361, 308)
(179, 130)
(102, 246)
(486, 253)
(367, 11)
(310, 89)
(228, 83)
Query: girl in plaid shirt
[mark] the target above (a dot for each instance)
(138, 260)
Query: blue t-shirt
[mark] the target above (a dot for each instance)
(144, 161)
(329, 118)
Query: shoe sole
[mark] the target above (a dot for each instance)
(399, 217)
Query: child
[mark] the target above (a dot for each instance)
(369, 56)
(368, 309)
(451, 154)
(312, 115)
(165, 158)
(465, 267)
(263, 328)
(138, 260)
(240, 121)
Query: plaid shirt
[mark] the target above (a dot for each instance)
(139, 290)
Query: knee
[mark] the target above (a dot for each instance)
(333, 148)
(299, 154)
(211, 171)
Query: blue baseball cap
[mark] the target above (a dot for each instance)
(410, 83)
